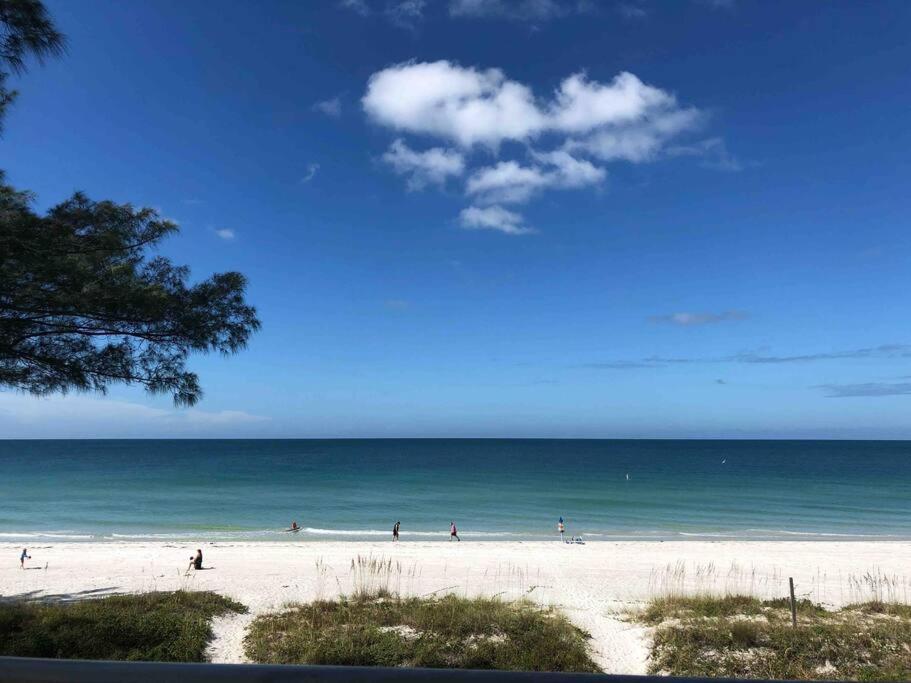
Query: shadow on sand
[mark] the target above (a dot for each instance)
(41, 596)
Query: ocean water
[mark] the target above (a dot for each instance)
(494, 489)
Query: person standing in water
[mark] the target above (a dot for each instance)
(395, 531)
(453, 532)
(562, 529)
(23, 557)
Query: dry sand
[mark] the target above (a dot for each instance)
(592, 583)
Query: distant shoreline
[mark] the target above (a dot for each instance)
(49, 541)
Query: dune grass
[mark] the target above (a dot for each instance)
(158, 626)
(743, 637)
(447, 632)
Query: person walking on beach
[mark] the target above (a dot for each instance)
(562, 529)
(23, 557)
(196, 562)
(395, 531)
(453, 532)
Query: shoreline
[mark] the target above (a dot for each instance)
(307, 536)
(592, 583)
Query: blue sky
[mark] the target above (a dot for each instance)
(492, 218)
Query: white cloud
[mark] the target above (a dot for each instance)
(714, 153)
(465, 105)
(641, 140)
(582, 105)
(510, 183)
(356, 6)
(631, 10)
(569, 171)
(507, 182)
(312, 170)
(78, 415)
(406, 13)
(518, 10)
(685, 319)
(469, 106)
(331, 107)
(580, 122)
(225, 233)
(432, 166)
(493, 218)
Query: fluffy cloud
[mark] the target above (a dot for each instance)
(508, 182)
(464, 105)
(638, 140)
(432, 166)
(713, 151)
(356, 6)
(692, 319)
(312, 170)
(581, 122)
(406, 13)
(493, 218)
(582, 105)
(331, 107)
(518, 10)
(469, 106)
(225, 234)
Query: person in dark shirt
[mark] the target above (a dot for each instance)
(196, 562)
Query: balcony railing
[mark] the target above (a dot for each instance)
(24, 670)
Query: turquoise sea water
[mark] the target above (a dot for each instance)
(493, 489)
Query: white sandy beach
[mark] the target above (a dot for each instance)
(592, 583)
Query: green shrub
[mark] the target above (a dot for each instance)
(694, 637)
(448, 632)
(165, 627)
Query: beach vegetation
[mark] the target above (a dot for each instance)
(384, 629)
(744, 637)
(156, 626)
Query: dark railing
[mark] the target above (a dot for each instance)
(23, 670)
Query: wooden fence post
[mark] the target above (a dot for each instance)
(793, 604)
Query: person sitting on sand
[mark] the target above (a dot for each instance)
(395, 531)
(196, 562)
(23, 557)
(453, 532)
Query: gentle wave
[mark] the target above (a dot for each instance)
(429, 534)
(47, 534)
(282, 534)
(825, 534)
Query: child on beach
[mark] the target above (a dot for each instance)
(395, 531)
(453, 532)
(23, 557)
